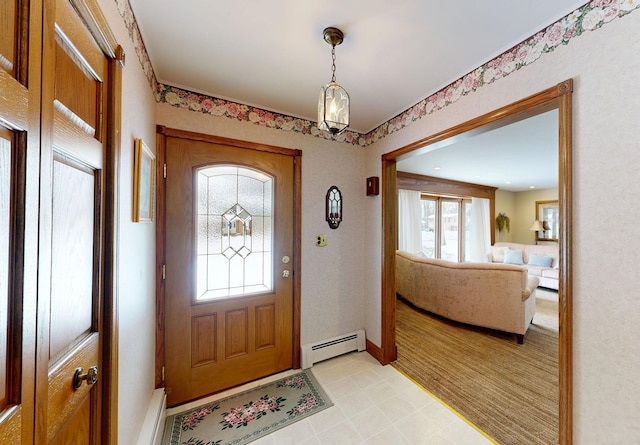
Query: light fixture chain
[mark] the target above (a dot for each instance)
(333, 63)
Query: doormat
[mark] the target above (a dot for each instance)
(247, 416)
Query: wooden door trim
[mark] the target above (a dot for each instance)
(161, 139)
(97, 24)
(99, 28)
(45, 219)
(161, 193)
(110, 288)
(183, 134)
(557, 97)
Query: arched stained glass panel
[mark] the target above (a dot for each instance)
(234, 236)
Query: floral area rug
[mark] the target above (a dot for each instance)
(244, 417)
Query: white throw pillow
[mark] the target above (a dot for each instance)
(513, 257)
(497, 253)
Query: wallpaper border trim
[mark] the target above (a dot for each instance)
(589, 17)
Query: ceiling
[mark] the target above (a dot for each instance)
(272, 54)
(518, 157)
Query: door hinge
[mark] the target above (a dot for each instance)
(164, 170)
(164, 272)
(163, 374)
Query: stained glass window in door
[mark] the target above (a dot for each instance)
(234, 235)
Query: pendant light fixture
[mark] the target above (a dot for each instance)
(333, 103)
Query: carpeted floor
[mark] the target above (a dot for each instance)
(507, 390)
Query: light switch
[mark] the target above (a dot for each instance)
(321, 240)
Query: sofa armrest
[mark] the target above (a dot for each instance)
(532, 284)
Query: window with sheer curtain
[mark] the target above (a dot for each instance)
(451, 228)
(409, 220)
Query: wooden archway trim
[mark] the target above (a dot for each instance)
(557, 97)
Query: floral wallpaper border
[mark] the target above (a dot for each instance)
(589, 17)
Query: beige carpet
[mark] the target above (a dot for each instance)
(507, 390)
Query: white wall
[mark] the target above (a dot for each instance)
(604, 65)
(136, 248)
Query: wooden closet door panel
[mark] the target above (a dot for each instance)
(6, 306)
(14, 95)
(71, 257)
(20, 68)
(5, 238)
(8, 36)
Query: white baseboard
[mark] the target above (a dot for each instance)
(153, 425)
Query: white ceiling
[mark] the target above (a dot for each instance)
(271, 54)
(517, 157)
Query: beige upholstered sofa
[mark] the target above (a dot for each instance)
(533, 257)
(491, 295)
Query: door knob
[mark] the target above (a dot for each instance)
(285, 273)
(91, 377)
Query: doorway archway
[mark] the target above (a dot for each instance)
(557, 97)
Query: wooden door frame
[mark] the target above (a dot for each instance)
(557, 97)
(97, 24)
(162, 133)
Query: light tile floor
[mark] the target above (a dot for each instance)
(372, 404)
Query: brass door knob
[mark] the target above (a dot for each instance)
(91, 377)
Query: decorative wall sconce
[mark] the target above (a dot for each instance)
(334, 207)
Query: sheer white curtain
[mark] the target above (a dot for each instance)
(409, 216)
(480, 231)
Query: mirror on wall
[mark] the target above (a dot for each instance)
(548, 214)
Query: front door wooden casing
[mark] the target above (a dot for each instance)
(221, 343)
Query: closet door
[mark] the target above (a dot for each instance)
(74, 99)
(20, 51)
(55, 100)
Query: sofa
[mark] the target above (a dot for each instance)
(540, 260)
(491, 295)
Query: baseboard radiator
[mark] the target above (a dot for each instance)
(153, 425)
(333, 347)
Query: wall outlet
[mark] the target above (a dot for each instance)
(321, 240)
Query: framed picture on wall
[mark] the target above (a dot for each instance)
(144, 167)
